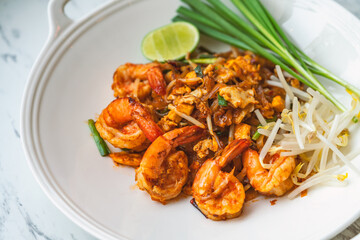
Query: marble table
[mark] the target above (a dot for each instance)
(25, 211)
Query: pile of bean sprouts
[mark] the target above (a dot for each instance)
(313, 129)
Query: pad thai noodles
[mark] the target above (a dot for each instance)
(219, 129)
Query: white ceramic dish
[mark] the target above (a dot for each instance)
(71, 81)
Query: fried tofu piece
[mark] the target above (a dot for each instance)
(238, 97)
(242, 131)
(278, 103)
(172, 120)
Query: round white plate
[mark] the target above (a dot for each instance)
(71, 81)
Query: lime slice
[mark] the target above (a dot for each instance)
(170, 42)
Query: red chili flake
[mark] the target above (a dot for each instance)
(304, 193)
(273, 202)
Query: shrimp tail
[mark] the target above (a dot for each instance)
(156, 80)
(186, 135)
(234, 149)
(144, 120)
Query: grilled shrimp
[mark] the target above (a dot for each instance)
(126, 123)
(163, 171)
(220, 195)
(149, 74)
(276, 180)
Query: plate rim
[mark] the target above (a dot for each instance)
(29, 112)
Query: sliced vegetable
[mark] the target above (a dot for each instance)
(198, 71)
(272, 119)
(163, 112)
(100, 143)
(355, 119)
(256, 136)
(222, 101)
(202, 60)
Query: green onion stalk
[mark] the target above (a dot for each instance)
(100, 143)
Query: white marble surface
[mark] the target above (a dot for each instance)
(25, 211)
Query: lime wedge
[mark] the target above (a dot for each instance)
(170, 42)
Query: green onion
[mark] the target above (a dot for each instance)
(262, 36)
(125, 149)
(355, 119)
(163, 112)
(100, 143)
(256, 136)
(272, 119)
(198, 71)
(221, 100)
(219, 133)
(206, 60)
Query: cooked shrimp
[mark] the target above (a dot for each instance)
(156, 80)
(126, 123)
(128, 159)
(163, 171)
(220, 195)
(274, 181)
(150, 74)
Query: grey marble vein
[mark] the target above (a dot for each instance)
(349, 232)
(4, 37)
(15, 33)
(4, 210)
(32, 227)
(9, 57)
(73, 237)
(16, 132)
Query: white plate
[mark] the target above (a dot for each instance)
(71, 83)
